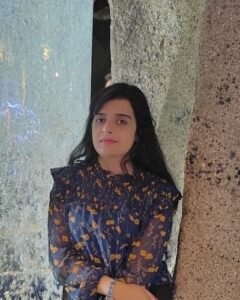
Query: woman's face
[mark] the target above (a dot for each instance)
(114, 129)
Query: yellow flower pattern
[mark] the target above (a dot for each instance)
(108, 225)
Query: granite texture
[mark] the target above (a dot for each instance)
(208, 259)
(154, 44)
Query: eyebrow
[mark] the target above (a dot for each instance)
(118, 115)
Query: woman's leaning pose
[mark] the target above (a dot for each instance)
(111, 208)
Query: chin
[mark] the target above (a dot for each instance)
(108, 154)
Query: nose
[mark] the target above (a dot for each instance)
(107, 127)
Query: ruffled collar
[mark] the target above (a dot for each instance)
(108, 174)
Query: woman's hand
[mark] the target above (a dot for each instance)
(123, 291)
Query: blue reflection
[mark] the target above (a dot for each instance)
(19, 121)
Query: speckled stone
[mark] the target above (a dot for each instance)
(154, 44)
(208, 259)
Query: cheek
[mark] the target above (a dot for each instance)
(94, 136)
(130, 139)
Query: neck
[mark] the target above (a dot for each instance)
(113, 165)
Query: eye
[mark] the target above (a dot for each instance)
(122, 122)
(99, 120)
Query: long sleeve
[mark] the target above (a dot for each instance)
(79, 276)
(148, 251)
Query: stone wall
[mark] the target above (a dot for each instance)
(185, 56)
(208, 265)
(154, 44)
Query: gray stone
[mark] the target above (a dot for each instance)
(208, 259)
(154, 44)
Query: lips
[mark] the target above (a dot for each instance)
(107, 141)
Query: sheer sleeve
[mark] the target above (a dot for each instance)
(79, 276)
(147, 252)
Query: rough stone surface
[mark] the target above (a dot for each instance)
(154, 44)
(209, 261)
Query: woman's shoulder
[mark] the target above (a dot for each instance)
(162, 187)
(66, 179)
(66, 174)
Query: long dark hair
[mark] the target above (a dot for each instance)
(145, 152)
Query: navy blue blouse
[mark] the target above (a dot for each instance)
(114, 225)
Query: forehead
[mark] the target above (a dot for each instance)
(117, 106)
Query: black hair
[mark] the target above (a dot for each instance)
(145, 152)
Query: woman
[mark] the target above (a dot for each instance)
(111, 208)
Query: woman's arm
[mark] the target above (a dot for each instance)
(123, 291)
(148, 251)
(70, 268)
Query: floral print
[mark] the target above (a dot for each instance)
(115, 225)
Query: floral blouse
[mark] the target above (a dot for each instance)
(115, 225)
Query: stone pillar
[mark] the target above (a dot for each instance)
(208, 261)
(45, 76)
(154, 44)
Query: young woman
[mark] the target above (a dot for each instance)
(111, 208)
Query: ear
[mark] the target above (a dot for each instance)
(136, 139)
